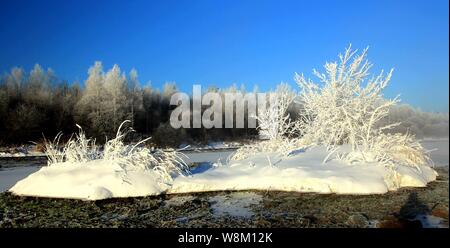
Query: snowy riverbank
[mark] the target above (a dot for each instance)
(302, 172)
(407, 207)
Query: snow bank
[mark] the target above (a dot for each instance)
(80, 170)
(94, 180)
(304, 172)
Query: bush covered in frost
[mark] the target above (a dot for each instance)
(79, 149)
(344, 108)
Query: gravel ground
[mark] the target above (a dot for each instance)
(408, 207)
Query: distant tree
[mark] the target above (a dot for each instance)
(23, 123)
(38, 90)
(65, 98)
(167, 136)
(135, 97)
(147, 102)
(115, 102)
(89, 108)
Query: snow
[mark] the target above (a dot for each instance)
(21, 154)
(302, 172)
(210, 156)
(94, 180)
(21, 151)
(236, 204)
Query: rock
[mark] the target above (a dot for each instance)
(357, 220)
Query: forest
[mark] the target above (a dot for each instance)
(38, 104)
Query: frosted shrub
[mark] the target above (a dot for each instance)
(346, 108)
(275, 124)
(77, 150)
(390, 149)
(80, 150)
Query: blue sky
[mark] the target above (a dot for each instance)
(223, 42)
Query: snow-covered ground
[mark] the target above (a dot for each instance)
(21, 151)
(302, 172)
(31, 151)
(21, 154)
(90, 181)
(235, 204)
(208, 156)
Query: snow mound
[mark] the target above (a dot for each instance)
(93, 180)
(81, 170)
(305, 172)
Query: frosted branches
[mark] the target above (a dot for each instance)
(345, 108)
(275, 125)
(80, 150)
(342, 110)
(274, 122)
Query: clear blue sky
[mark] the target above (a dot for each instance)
(223, 42)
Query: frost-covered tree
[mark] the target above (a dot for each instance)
(274, 124)
(14, 82)
(346, 107)
(135, 96)
(274, 121)
(104, 101)
(341, 109)
(116, 102)
(90, 108)
(38, 89)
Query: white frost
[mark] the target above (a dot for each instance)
(304, 172)
(90, 181)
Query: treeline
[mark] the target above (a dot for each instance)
(38, 104)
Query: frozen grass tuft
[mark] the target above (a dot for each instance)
(390, 149)
(79, 150)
